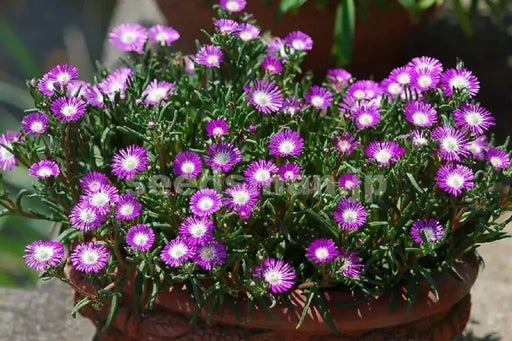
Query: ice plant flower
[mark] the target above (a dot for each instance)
(247, 32)
(85, 217)
(222, 156)
(41, 255)
(350, 214)
(498, 158)
(291, 106)
(94, 96)
(90, 257)
(420, 114)
(272, 65)
(278, 274)
(384, 152)
(217, 128)
(366, 116)
(77, 88)
(102, 199)
(478, 147)
(401, 75)
(210, 56)
(391, 87)
(348, 181)
(140, 237)
(319, 97)
(338, 78)
(452, 143)
(127, 208)
(7, 159)
(259, 173)
(44, 169)
(364, 90)
(46, 85)
(289, 172)
(419, 138)
(473, 118)
(115, 84)
(350, 266)
(163, 35)
(188, 164)
(265, 96)
(286, 143)
(129, 37)
(205, 202)
(299, 41)
(129, 161)
(426, 230)
(197, 230)
(459, 79)
(241, 198)
(68, 109)
(424, 79)
(322, 250)
(157, 92)
(176, 252)
(63, 74)
(210, 254)
(233, 5)
(453, 179)
(226, 26)
(345, 143)
(426, 63)
(92, 181)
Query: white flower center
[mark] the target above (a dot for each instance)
(127, 209)
(44, 253)
(68, 110)
(198, 230)
(232, 6)
(455, 181)
(287, 147)
(130, 163)
(317, 101)
(298, 44)
(100, 199)
(495, 161)
(289, 175)
(365, 119)
(394, 89)
(157, 94)
(404, 78)
(322, 253)
(140, 239)
(245, 35)
(188, 167)
(4, 153)
(349, 216)
(383, 156)
(63, 77)
(90, 257)
(218, 131)
(419, 118)
(44, 172)
(343, 145)
(162, 37)
(262, 175)
(359, 94)
(425, 81)
(207, 254)
(87, 216)
(212, 59)
(450, 144)
(222, 158)
(205, 203)
(420, 140)
(273, 277)
(261, 98)
(429, 234)
(474, 118)
(349, 184)
(178, 251)
(459, 82)
(241, 197)
(128, 37)
(37, 126)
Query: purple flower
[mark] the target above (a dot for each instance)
(35, 124)
(62, 74)
(157, 92)
(140, 237)
(319, 97)
(197, 230)
(129, 161)
(366, 116)
(190, 66)
(322, 250)
(129, 37)
(299, 41)
(7, 159)
(498, 158)
(188, 164)
(391, 87)
(289, 172)
(163, 35)
(473, 118)
(345, 143)
(421, 114)
(102, 199)
(90, 257)
(459, 79)
(68, 109)
(92, 181)
(429, 230)
(272, 65)
(384, 152)
(217, 128)
(364, 90)
(127, 207)
(247, 32)
(428, 63)
(210, 56)
(177, 252)
(41, 254)
(401, 75)
(115, 83)
(425, 78)
(233, 5)
(278, 274)
(338, 78)
(350, 265)
(291, 106)
(94, 97)
(478, 146)
(205, 202)
(44, 169)
(222, 156)
(452, 143)
(275, 48)
(419, 138)
(454, 178)
(46, 84)
(259, 173)
(286, 143)
(77, 88)
(348, 181)
(210, 254)
(241, 198)
(226, 26)
(350, 214)
(85, 217)
(265, 96)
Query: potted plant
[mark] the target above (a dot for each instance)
(227, 190)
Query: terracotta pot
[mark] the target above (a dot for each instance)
(429, 319)
(378, 42)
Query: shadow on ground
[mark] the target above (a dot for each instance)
(469, 336)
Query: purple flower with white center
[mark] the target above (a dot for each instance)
(94, 97)
(338, 78)
(272, 65)
(210, 254)
(453, 179)
(188, 164)
(364, 89)
(401, 75)
(127, 207)
(498, 158)
(384, 152)
(102, 199)
(345, 143)
(421, 114)
(140, 237)
(265, 96)
(90, 257)
(429, 63)
(350, 214)
(46, 85)
(129, 37)
(452, 143)
(424, 79)
(474, 118)
(7, 159)
(278, 274)
(222, 156)
(391, 87)
(77, 88)
(286, 143)
(460, 79)
(350, 265)
(210, 56)
(233, 5)
(275, 48)
(299, 41)
(291, 106)
(63, 74)
(226, 26)
(259, 173)
(419, 138)
(478, 147)
(366, 116)
(348, 181)
(129, 161)
(241, 197)
(177, 252)
(319, 97)
(247, 32)
(163, 35)
(426, 230)
(35, 124)
(197, 230)
(41, 254)
(68, 109)
(157, 92)
(322, 250)
(44, 169)
(115, 83)
(85, 217)
(217, 128)
(92, 181)
(205, 202)
(289, 172)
